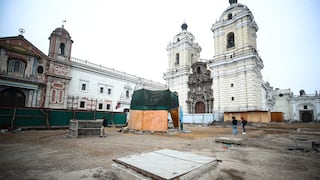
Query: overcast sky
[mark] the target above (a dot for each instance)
(132, 35)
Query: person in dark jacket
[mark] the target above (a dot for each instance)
(244, 123)
(104, 125)
(234, 126)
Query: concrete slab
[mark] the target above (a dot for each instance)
(165, 164)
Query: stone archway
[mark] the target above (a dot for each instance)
(200, 107)
(306, 116)
(12, 97)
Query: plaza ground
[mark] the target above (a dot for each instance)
(269, 151)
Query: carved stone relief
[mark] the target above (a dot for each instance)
(200, 91)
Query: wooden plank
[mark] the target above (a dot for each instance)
(148, 120)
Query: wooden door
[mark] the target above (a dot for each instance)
(12, 97)
(200, 107)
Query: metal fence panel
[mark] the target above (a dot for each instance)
(198, 118)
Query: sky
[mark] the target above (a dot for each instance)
(132, 36)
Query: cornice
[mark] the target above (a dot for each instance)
(181, 42)
(214, 63)
(223, 23)
(105, 71)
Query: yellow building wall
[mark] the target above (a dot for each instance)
(254, 116)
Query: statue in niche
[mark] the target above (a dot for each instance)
(302, 92)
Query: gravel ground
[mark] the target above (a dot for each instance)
(274, 151)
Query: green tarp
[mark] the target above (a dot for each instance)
(36, 117)
(144, 99)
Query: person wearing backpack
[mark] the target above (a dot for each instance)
(244, 123)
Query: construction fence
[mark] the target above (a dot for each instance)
(13, 118)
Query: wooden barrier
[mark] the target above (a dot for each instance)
(250, 116)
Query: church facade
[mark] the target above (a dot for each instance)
(23, 69)
(235, 84)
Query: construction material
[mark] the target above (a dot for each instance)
(149, 110)
(165, 164)
(230, 140)
(84, 127)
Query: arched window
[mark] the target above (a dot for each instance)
(229, 16)
(127, 94)
(12, 97)
(198, 70)
(177, 59)
(62, 47)
(230, 40)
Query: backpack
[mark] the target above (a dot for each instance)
(244, 122)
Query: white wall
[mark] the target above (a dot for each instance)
(94, 78)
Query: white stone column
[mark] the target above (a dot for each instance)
(35, 99)
(30, 98)
(318, 110)
(295, 114)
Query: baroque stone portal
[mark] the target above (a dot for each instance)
(200, 96)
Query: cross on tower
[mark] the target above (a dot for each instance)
(232, 1)
(21, 31)
(63, 21)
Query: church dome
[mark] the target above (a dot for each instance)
(184, 26)
(184, 34)
(61, 32)
(233, 10)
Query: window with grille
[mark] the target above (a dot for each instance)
(16, 66)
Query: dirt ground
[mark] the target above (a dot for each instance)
(273, 151)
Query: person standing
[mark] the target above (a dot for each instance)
(244, 123)
(181, 118)
(104, 125)
(234, 125)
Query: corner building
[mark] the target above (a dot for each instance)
(29, 78)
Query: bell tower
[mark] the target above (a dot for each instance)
(60, 44)
(182, 53)
(58, 77)
(236, 67)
